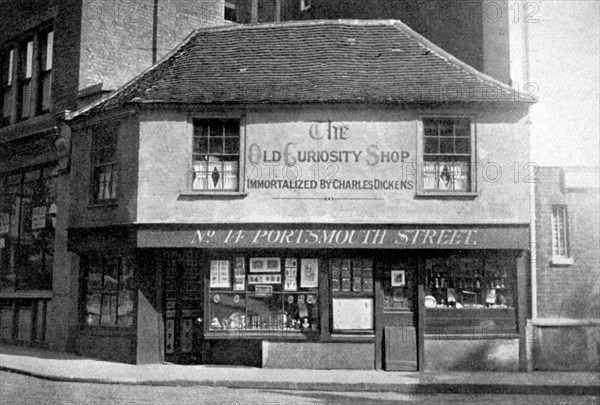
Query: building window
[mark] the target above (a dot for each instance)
(216, 155)
(560, 234)
(352, 295)
(6, 85)
(447, 157)
(263, 294)
(25, 82)
(104, 158)
(230, 11)
(45, 80)
(27, 210)
(109, 294)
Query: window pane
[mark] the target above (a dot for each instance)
(49, 50)
(94, 277)
(26, 100)
(232, 145)
(431, 145)
(111, 275)
(125, 310)
(92, 308)
(216, 146)
(108, 314)
(430, 128)
(446, 127)
(462, 145)
(446, 145)
(201, 145)
(46, 87)
(29, 60)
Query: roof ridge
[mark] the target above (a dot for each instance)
(465, 67)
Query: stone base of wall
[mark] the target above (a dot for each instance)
(568, 348)
(472, 355)
(106, 346)
(325, 356)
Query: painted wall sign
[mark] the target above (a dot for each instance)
(330, 156)
(342, 237)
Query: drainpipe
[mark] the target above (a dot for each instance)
(155, 32)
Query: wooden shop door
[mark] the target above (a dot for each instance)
(399, 315)
(183, 310)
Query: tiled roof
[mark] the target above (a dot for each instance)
(343, 61)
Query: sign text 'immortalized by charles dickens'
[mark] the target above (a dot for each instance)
(329, 157)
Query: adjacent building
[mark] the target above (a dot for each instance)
(565, 334)
(319, 194)
(56, 56)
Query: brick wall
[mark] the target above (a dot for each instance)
(571, 291)
(117, 36)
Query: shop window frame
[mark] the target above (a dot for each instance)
(257, 333)
(561, 254)
(189, 190)
(351, 294)
(471, 190)
(123, 262)
(104, 158)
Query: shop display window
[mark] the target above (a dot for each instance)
(27, 221)
(475, 281)
(352, 294)
(109, 295)
(263, 295)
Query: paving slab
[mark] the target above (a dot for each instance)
(58, 366)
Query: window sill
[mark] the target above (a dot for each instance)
(111, 203)
(562, 261)
(193, 195)
(366, 337)
(447, 194)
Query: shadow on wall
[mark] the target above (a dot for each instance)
(475, 355)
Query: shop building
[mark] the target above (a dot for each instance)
(323, 194)
(565, 332)
(57, 56)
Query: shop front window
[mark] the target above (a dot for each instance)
(264, 295)
(471, 293)
(27, 221)
(109, 295)
(352, 295)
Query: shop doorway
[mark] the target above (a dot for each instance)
(183, 310)
(400, 315)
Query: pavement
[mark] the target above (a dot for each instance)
(59, 366)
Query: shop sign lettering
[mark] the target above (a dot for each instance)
(38, 218)
(337, 237)
(331, 145)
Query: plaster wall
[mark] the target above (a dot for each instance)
(165, 170)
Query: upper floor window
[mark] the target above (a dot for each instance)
(447, 157)
(560, 234)
(216, 155)
(104, 158)
(25, 82)
(45, 80)
(6, 85)
(230, 11)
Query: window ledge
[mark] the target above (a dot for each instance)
(212, 194)
(447, 194)
(562, 261)
(105, 204)
(367, 337)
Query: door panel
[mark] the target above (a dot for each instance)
(399, 315)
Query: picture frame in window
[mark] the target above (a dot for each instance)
(265, 265)
(398, 278)
(309, 273)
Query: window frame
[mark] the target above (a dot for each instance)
(25, 77)
(95, 146)
(45, 53)
(188, 189)
(123, 262)
(558, 258)
(473, 190)
(7, 61)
